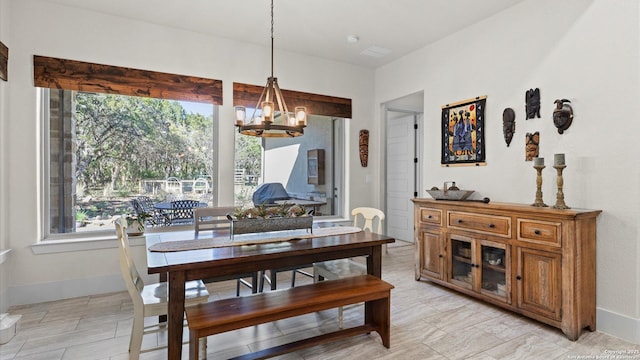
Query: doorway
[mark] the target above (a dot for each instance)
(403, 121)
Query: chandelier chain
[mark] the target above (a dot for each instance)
(268, 124)
(272, 38)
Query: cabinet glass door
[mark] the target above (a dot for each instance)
(494, 274)
(461, 263)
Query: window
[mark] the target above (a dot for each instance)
(106, 149)
(285, 160)
(110, 132)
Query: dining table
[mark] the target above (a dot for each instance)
(235, 258)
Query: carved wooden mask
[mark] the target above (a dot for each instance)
(532, 101)
(508, 124)
(531, 147)
(562, 115)
(364, 147)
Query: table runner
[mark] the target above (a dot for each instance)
(250, 239)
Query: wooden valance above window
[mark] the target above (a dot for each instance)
(248, 95)
(82, 76)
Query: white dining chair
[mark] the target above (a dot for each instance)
(215, 218)
(369, 219)
(150, 300)
(212, 218)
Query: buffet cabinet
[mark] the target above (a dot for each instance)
(538, 262)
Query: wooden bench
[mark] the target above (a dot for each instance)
(234, 313)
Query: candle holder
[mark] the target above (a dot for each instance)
(560, 204)
(538, 202)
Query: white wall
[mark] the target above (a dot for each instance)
(4, 87)
(585, 51)
(39, 28)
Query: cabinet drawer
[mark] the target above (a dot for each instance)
(486, 224)
(541, 232)
(431, 216)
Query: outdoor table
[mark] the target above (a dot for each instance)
(171, 211)
(168, 207)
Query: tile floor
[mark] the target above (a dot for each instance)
(428, 322)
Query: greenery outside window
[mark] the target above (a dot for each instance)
(105, 149)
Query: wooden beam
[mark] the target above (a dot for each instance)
(248, 95)
(4, 60)
(82, 76)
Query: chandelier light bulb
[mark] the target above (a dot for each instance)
(301, 115)
(267, 110)
(240, 115)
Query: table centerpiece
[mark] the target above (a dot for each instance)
(269, 218)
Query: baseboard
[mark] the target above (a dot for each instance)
(31, 294)
(618, 325)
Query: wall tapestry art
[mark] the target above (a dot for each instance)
(463, 132)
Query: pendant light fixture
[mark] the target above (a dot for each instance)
(275, 120)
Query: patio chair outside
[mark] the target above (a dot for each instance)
(182, 211)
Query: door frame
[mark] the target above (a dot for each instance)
(418, 119)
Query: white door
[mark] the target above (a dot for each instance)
(401, 175)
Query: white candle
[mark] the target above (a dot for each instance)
(538, 161)
(558, 159)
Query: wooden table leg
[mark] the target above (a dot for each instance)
(374, 262)
(274, 280)
(176, 314)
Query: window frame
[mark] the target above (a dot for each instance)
(337, 108)
(65, 74)
(45, 234)
(339, 129)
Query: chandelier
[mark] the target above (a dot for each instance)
(272, 123)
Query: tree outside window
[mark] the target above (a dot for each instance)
(107, 149)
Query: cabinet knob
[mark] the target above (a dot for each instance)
(518, 277)
(491, 226)
(537, 232)
(429, 217)
(440, 256)
(459, 221)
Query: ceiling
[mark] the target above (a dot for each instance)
(387, 29)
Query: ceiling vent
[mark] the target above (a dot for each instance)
(375, 51)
